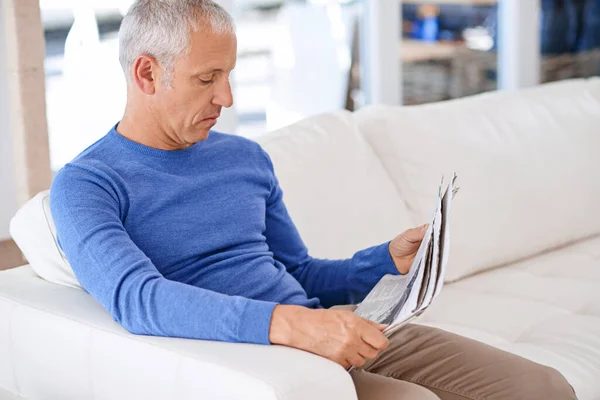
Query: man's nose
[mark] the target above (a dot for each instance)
(223, 96)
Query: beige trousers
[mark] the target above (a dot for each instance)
(423, 363)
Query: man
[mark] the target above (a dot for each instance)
(179, 231)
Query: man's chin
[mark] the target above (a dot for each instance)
(197, 134)
(203, 135)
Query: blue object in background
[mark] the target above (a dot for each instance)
(575, 15)
(590, 27)
(426, 29)
(567, 26)
(570, 26)
(449, 24)
(556, 27)
(448, 36)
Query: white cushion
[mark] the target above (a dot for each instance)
(335, 188)
(527, 163)
(546, 309)
(59, 343)
(32, 228)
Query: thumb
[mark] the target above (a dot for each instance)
(416, 234)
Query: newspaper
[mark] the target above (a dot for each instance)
(397, 299)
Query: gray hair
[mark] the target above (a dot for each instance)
(161, 29)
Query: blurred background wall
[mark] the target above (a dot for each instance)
(303, 57)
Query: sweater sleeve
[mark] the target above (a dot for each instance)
(334, 282)
(87, 211)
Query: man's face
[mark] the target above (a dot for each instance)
(199, 88)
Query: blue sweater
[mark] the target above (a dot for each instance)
(194, 243)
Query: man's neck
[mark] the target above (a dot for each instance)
(142, 127)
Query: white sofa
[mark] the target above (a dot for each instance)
(524, 270)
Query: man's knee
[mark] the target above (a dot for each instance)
(535, 381)
(551, 384)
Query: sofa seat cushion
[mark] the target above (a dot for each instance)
(545, 308)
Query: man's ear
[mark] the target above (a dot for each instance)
(144, 72)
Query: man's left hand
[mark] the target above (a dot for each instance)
(404, 247)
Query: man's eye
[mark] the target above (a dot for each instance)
(206, 82)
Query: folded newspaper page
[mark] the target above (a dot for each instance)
(396, 299)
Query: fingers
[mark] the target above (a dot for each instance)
(356, 360)
(379, 327)
(366, 351)
(373, 337)
(353, 340)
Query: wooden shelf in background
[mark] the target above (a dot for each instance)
(418, 51)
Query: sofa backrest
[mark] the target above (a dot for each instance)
(528, 165)
(335, 188)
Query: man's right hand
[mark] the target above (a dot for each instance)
(338, 335)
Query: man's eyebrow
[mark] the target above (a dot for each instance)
(209, 71)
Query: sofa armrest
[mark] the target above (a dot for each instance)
(62, 343)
